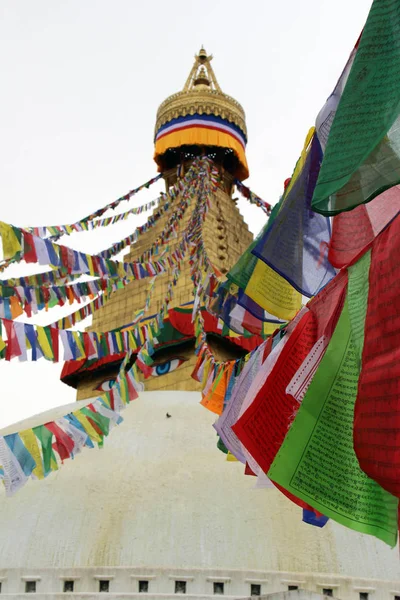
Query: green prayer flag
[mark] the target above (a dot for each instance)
(45, 437)
(362, 157)
(102, 422)
(317, 462)
(358, 288)
(221, 446)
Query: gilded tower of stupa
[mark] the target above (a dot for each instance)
(198, 121)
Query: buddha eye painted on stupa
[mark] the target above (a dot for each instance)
(173, 362)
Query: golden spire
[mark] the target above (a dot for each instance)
(201, 115)
(202, 73)
(201, 94)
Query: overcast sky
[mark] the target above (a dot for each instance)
(81, 81)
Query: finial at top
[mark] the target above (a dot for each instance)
(202, 73)
(202, 54)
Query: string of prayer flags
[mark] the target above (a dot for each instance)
(362, 157)
(295, 244)
(45, 342)
(317, 461)
(252, 197)
(38, 451)
(51, 277)
(31, 299)
(185, 189)
(88, 222)
(44, 251)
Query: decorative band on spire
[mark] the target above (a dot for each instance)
(202, 115)
(203, 130)
(202, 121)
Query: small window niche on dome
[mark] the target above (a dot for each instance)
(68, 585)
(143, 586)
(30, 587)
(180, 587)
(255, 589)
(104, 585)
(219, 587)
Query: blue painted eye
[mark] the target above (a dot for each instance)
(167, 366)
(163, 368)
(105, 386)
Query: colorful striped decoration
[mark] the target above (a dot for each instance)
(204, 130)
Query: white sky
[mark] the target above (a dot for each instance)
(80, 85)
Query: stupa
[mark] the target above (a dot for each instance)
(159, 511)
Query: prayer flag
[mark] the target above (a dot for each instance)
(294, 246)
(317, 462)
(377, 410)
(263, 426)
(362, 157)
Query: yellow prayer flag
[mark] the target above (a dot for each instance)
(77, 338)
(30, 442)
(90, 264)
(44, 343)
(87, 426)
(123, 389)
(9, 240)
(121, 270)
(118, 338)
(132, 341)
(269, 328)
(206, 372)
(231, 458)
(273, 293)
(300, 163)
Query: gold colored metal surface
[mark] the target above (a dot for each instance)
(201, 95)
(226, 236)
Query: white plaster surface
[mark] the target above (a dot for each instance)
(160, 499)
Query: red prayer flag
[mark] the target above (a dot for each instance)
(64, 445)
(263, 426)
(377, 409)
(29, 248)
(13, 348)
(354, 231)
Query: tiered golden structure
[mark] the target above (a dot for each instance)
(201, 94)
(225, 233)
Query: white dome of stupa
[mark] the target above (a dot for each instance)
(159, 503)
